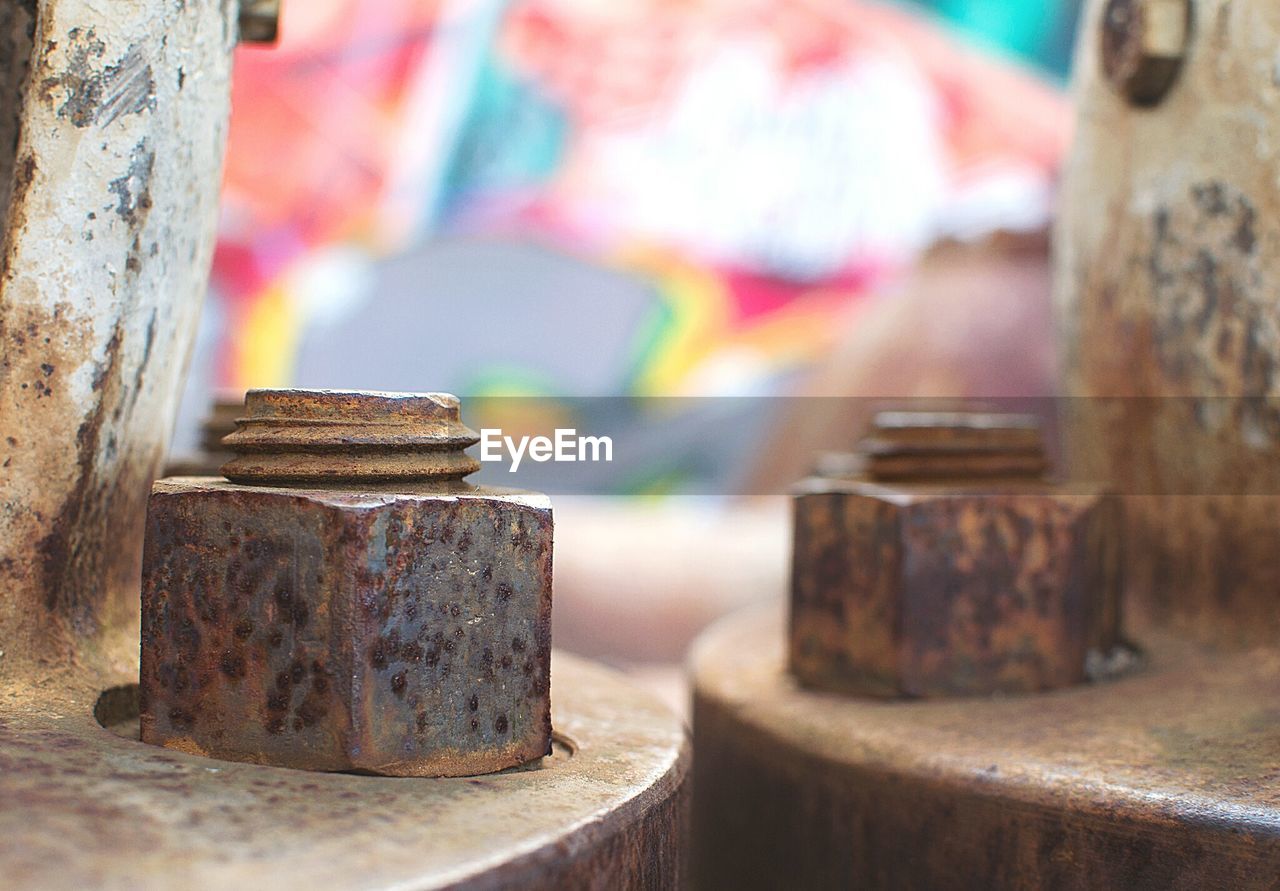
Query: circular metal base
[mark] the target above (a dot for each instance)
(1166, 778)
(82, 805)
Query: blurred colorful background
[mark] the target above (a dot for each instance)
(640, 197)
(646, 198)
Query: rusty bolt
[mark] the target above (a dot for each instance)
(345, 600)
(1143, 46)
(219, 423)
(949, 566)
(259, 21)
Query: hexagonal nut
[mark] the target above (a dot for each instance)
(401, 634)
(933, 591)
(1143, 44)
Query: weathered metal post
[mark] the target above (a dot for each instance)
(1168, 266)
(107, 239)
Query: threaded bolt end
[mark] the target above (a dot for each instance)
(346, 436)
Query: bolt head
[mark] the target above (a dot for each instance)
(402, 634)
(935, 591)
(1143, 46)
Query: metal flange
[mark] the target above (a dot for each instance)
(82, 806)
(1160, 779)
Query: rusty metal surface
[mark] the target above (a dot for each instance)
(1168, 266)
(104, 258)
(106, 247)
(405, 633)
(1163, 779)
(973, 445)
(82, 806)
(949, 580)
(1142, 46)
(307, 436)
(404, 630)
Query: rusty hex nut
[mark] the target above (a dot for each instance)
(959, 583)
(397, 625)
(1144, 43)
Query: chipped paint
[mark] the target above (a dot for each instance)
(95, 331)
(88, 93)
(133, 189)
(1168, 265)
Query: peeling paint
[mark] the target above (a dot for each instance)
(93, 95)
(1167, 273)
(133, 189)
(108, 300)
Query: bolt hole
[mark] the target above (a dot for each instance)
(118, 709)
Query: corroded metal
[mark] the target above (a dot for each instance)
(930, 446)
(946, 568)
(310, 436)
(104, 259)
(1168, 266)
(404, 630)
(83, 807)
(1162, 779)
(1143, 43)
(105, 254)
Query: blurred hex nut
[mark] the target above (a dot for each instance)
(217, 424)
(948, 566)
(1144, 43)
(259, 21)
(348, 602)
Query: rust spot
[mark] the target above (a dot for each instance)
(63, 559)
(955, 584)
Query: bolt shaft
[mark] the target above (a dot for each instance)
(318, 437)
(953, 446)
